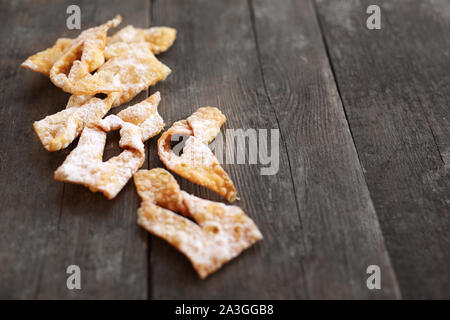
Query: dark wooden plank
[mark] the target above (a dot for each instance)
(214, 63)
(341, 231)
(29, 198)
(317, 247)
(45, 225)
(395, 87)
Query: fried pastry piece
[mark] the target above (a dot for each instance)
(134, 70)
(84, 164)
(159, 39)
(197, 163)
(221, 233)
(43, 61)
(72, 71)
(57, 131)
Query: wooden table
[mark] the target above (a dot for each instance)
(364, 152)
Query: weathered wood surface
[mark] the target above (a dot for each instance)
(320, 229)
(216, 64)
(395, 87)
(365, 143)
(334, 205)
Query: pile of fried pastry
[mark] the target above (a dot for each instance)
(101, 72)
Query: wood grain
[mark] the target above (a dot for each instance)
(395, 87)
(46, 226)
(215, 64)
(341, 233)
(364, 152)
(319, 236)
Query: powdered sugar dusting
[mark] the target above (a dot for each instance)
(197, 163)
(221, 234)
(84, 164)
